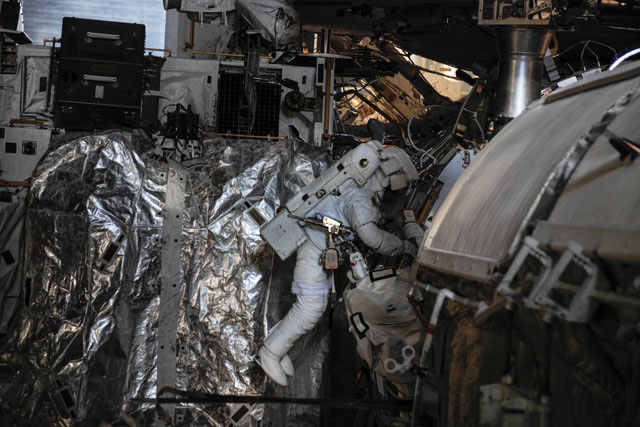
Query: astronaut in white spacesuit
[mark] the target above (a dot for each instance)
(354, 206)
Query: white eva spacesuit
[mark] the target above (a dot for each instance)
(354, 206)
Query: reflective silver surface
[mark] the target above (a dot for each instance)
(87, 341)
(520, 71)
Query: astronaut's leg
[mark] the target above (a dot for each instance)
(312, 286)
(300, 319)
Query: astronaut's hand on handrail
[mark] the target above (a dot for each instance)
(409, 248)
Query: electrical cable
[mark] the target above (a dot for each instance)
(362, 87)
(585, 41)
(586, 46)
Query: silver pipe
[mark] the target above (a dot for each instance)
(521, 52)
(326, 41)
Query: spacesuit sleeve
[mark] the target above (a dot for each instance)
(363, 216)
(382, 241)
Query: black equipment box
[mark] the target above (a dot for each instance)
(102, 40)
(100, 74)
(99, 83)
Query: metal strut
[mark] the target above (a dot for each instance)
(403, 405)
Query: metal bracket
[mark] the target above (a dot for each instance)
(578, 309)
(506, 287)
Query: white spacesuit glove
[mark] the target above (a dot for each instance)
(409, 248)
(412, 231)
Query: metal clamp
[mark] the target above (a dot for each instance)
(391, 366)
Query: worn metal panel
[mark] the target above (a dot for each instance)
(600, 205)
(482, 220)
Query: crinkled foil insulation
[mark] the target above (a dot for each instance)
(86, 341)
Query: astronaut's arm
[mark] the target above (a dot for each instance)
(382, 241)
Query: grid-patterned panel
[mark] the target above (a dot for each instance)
(234, 113)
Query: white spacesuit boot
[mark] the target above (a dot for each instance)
(302, 317)
(287, 365)
(270, 363)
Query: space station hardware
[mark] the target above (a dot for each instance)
(508, 286)
(521, 67)
(181, 137)
(12, 226)
(220, 92)
(277, 21)
(523, 38)
(12, 35)
(392, 366)
(36, 80)
(507, 405)
(468, 127)
(27, 93)
(384, 325)
(104, 41)
(10, 14)
(100, 74)
(191, 82)
(358, 270)
(211, 6)
(330, 257)
(283, 233)
(550, 293)
(325, 84)
(578, 308)
(411, 229)
(303, 102)
(20, 151)
(150, 99)
(500, 12)
(555, 235)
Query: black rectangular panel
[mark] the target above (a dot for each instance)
(233, 111)
(94, 117)
(99, 82)
(102, 40)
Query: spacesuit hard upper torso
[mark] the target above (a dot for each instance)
(354, 208)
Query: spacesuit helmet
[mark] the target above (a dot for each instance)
(396, 171)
